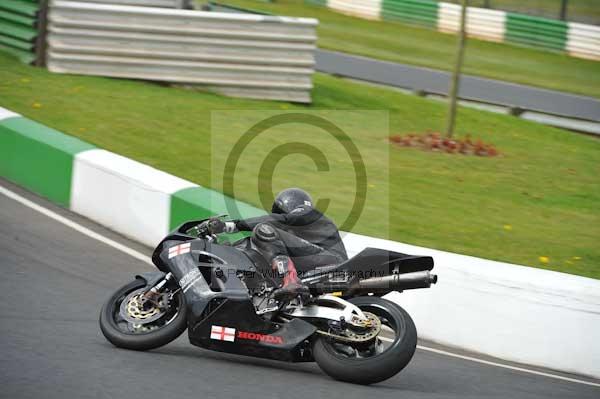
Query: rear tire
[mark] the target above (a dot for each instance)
(139, 341)
(379, 367)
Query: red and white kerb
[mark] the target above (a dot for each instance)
(179, 249)
(222, 333)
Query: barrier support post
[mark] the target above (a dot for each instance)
(42, 28)
(454, 84)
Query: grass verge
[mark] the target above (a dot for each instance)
(401, 43)
(585, 11)
(541, 198)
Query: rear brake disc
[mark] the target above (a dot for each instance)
(372, 325)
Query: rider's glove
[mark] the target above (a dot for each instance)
(230, 227)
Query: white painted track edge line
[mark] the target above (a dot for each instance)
(75, 226)
(137, 255)
(490, 363)
(506, 366)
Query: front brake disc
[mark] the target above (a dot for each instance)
(135, 309)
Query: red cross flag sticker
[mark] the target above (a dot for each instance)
(222, 333)
(179, 249)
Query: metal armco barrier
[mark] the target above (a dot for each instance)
(578, 40)
(252, 56)
(145, 3)
(19, 27)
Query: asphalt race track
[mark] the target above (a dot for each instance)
(471, 87)
(54, 281)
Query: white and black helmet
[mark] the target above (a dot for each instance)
(290, 199)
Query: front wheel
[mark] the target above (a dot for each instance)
(382, 358)
(130, 321)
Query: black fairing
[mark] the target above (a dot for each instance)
(287, 340)
(216, 296)
(179, 234)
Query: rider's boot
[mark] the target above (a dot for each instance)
(292, 286)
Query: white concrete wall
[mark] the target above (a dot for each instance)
(127, 196)
(5, 114)
(513, 312)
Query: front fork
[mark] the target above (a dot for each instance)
(156, 289)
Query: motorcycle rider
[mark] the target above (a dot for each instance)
(293, 237)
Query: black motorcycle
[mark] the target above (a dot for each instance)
(223, 294)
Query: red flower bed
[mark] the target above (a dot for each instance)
(434, 141)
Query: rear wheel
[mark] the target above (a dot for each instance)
(382, 357)
(130, 321)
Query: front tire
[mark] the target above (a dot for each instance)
(380, 366)
(141, 337)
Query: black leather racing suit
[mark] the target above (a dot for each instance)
(306, 235)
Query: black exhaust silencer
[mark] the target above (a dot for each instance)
(394, 282)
